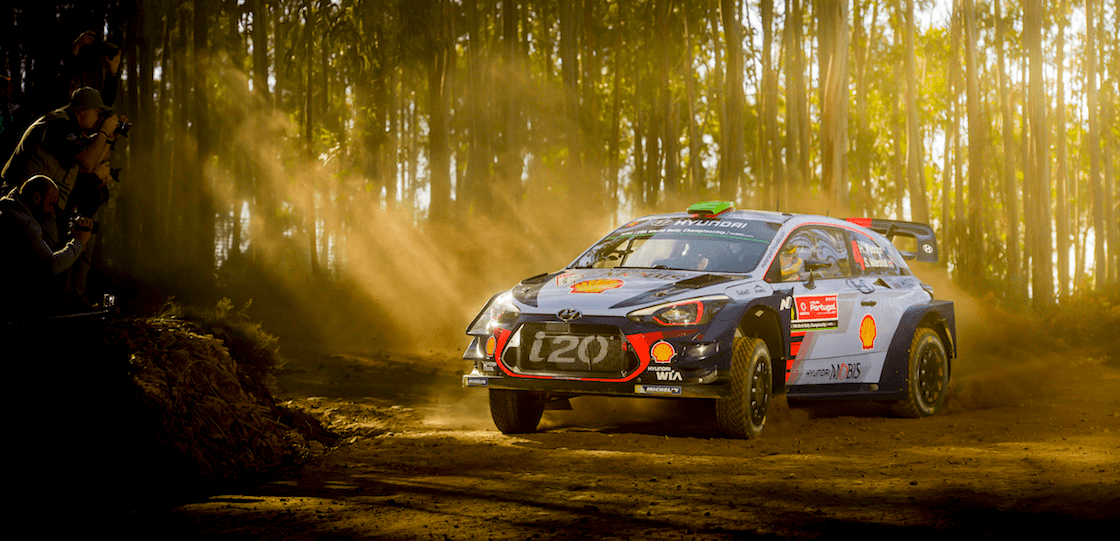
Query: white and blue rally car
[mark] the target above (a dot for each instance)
(731, 305)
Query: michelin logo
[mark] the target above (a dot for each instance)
(657, 389)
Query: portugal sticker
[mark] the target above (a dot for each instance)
(867, 332)
(814, 312)
(596, 286)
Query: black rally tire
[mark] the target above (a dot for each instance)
(515, 412)
(927, 380)
(743, 413)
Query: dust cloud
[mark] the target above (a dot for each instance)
(397, 280)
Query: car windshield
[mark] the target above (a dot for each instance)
(713, 245)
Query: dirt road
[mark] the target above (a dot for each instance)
(1029, 451)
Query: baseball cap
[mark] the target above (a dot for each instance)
(87, 98)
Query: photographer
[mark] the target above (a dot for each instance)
(30, 264)
(61, 144)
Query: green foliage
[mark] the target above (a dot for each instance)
(255, 350)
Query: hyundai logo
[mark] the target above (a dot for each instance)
(569, 314)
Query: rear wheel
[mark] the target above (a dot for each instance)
(515, 412)
(743, 413)
(927, 382)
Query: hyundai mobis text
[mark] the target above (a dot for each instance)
(730, 305)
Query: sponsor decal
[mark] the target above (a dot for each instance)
(596, 286)
(489, 366)
(491, 345)
(837, 372)
(481, 382)
(867, 332)
(858, 255)
(814, 312)
(671, 375)
(643, 342)
(870, 255)
(568, 278)
(662, 352)
(614, 273)
(657, 389)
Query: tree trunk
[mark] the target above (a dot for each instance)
(312, 238)
(695, 176)
(1100, 270)
(1042, 283)
(861, 191)
(439, 150)
(915, 169)
(733, 130)
(1017, 287)
(977, 143)
(950, 220)
(797, 107)
(260, 48)
(833, 22)
(1061, 209)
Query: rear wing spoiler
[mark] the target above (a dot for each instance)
(925, 241)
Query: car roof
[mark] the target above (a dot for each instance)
(783, 218)
(755, 215)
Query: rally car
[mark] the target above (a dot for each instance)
(731, 305)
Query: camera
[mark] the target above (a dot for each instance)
(122, 126)
(75, 227)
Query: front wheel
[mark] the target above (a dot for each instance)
(927, 381)
(515, 412)
(743, 413)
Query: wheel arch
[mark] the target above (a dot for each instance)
(763, 322)
(936, 315)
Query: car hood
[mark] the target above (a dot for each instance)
(599, 291)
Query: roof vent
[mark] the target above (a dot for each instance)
(710, 209)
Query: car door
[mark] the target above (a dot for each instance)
(885, 292)
(815, 263)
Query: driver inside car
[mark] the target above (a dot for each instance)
(792, 264)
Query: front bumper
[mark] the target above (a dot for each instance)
(715, 386)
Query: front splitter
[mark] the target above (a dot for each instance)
(573, 386)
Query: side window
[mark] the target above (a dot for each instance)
(814, 244)
(871, 258)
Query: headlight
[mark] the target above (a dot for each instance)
(697, 311)
(503, 312)
(500, 311)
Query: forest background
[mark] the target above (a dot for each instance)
(369, 172)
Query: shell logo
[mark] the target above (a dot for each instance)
(596, 286)
(491, 345)
(662, 352)
(867, 332)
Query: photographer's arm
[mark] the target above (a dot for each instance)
(64, 257)
(98, 149)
